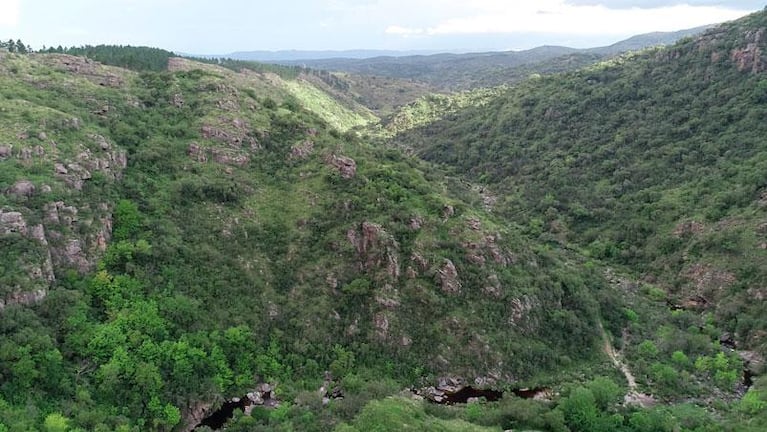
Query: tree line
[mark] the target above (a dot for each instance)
(16, 46)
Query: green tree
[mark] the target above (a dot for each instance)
(605, 391)
(21, 48)
(56, 422)
(580, 410)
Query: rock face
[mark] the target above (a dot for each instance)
(193, 415)
(35, 262)
(708, 283)
(12, 222)
(345, 166)
(751, 58)
(85, 67)
(236, 135)
(753, 361)
(448, 278)
(23, 298)
(375, 249)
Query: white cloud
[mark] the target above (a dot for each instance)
(559, 17)
(404, 31)
(9, 13)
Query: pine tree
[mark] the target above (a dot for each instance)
(20, 47)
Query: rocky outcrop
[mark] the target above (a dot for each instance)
(196, 152)
(708, 283)
(85, 67)
(381, 324)
(302, 150)
(688, 228)
(228, 157)
(35, 262)
(12, 222)
(751, 57)
(236, 135)
(375, 248)
(454, 390)
(345, 166)
(519, 310)
(178, 100)
(388, 297)
(448, 278)
(753, 362)
(193, 415)
(73, 255)
(493, 287)
(22, 189)
(23, 298)
(262, 395)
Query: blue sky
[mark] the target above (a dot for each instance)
(224, 26)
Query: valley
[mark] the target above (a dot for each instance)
(576, 243)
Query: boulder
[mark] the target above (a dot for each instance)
(5, 151)
(22, 188)
(753, 362)
(12, 222)
(448, 278)
(346, 166)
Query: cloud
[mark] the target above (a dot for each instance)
(579, 17)
(404, 31)
(9, 17)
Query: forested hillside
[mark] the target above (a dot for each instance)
(172, 239)
(232, 246)
(654, 162)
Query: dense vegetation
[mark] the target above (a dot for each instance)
(169, 239)
(653, 162)
(129, 57)
(243, 250)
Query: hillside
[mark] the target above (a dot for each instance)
(654, 162)
(451, 72)
(225, 245)
(172, 239)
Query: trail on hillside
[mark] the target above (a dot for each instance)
(633, 397)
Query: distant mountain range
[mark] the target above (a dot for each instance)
(286, 56)
(295, 55)
(455, 71)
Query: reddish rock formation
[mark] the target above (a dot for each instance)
(346, 166)
(448, 278)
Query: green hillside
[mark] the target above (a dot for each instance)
(170, 239)
(655, 162)
(579, 252)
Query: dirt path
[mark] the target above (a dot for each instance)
(633, 397)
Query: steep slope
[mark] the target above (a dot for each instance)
(654, 161)
(208, 231)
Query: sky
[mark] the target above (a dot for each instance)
(226, 26)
